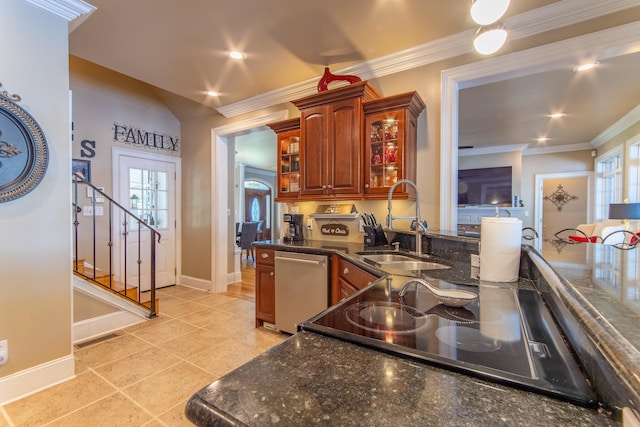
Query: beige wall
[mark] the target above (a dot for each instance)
(572, 161)
(196, 197)
(35, 303)
(101, 98)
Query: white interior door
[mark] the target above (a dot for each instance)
(148, 190)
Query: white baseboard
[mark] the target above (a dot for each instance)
(102, 325)
(29, 381)
(234, 277)
(194, 282)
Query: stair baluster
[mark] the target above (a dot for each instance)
(96, 276)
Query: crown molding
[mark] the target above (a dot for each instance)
(553, 16)
(67, 9)
(618, 127)
(492, 150)
(497, 149)
(605, 43)
(74, 11)
(557, 149)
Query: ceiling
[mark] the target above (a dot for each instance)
(516, 111)
(180, 47)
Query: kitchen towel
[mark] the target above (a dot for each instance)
(500, 246)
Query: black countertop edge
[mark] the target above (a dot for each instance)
(601, 348)
(311, 379)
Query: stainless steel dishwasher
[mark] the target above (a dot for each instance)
(301, 288)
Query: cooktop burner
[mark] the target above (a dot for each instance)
(506, 335)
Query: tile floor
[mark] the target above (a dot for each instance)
(145, 375)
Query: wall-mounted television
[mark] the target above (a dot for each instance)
(485, 186)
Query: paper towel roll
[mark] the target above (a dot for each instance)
(500, 245)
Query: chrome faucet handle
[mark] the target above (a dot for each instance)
(396, 246)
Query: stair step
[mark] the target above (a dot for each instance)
(131, 292)
(145, 299)
(79, 266)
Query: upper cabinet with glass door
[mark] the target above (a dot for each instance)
(148, 195)
(390, 144)
(288, 145)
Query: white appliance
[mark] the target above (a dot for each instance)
(301, 288)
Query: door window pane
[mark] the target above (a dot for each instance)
(149, 197)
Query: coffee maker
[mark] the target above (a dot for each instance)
(294, 231)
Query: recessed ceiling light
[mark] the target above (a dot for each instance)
(542, 139)
(213, 93)
(236, 54)
(585, 67)
(557, 115)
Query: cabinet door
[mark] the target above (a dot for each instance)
(384, 152)
(331, 155)
(288, 165)
(345, 289)
(390, 134)
(265, 294)
(314, 154)
(347, 279)
(345, 148)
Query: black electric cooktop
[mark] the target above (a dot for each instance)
(506, 335)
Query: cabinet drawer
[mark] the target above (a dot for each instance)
(265, 256)
(357, 277)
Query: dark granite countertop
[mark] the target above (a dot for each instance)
(311, 379)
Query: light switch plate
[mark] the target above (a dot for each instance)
(475, 260)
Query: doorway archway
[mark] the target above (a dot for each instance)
(221, 219)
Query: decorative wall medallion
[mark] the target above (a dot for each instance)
(24, 155)
(560, 197)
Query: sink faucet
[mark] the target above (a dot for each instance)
(419, 224)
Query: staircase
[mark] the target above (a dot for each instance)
(105, 280)
(93, 249)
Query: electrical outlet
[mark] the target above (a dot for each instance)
(309, 224)
(4, 351)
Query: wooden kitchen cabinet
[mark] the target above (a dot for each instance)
(331, 125)
(265, 287)
(347, 279)
(390, 144)
(288, 146)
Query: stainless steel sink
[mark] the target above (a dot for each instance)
(385, 258)
(403, 262)
(416, 265)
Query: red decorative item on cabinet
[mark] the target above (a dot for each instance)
(327, 78)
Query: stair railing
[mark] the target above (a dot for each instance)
(127, 218)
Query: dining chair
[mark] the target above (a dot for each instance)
(247, 237)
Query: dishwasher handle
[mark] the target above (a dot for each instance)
(304, 261)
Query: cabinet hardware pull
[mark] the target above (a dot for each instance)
(329, 186)
(264, 256)
(271, 273)
(346, 271)
(324, 187)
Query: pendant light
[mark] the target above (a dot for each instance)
(490, 39)
(485, 12)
